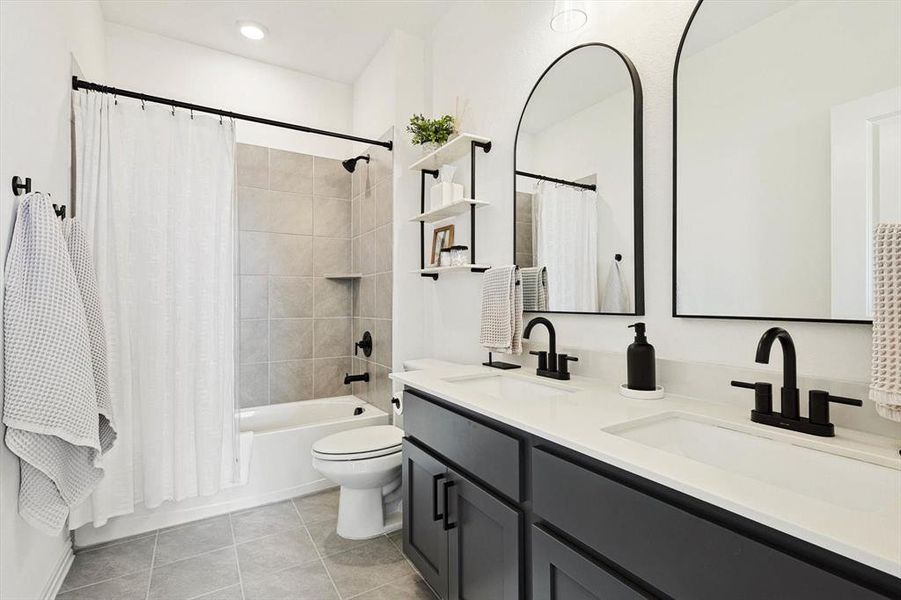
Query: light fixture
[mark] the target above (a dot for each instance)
(569, 15)
(251, 30)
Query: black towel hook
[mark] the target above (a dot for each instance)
(19, 187)
(617, 257)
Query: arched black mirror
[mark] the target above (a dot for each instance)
(787, 152)
(578, 186)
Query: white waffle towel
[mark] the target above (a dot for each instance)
(501, 329)
(534, 288)
(50, 395)
(885, 383)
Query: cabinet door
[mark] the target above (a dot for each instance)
(559, 572)
(484, 543)
(425, 540)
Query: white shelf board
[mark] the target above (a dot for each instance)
(440, 270)
(449, 152)
(343, 275)
(451, 210)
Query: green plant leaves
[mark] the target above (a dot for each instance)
(434, 131)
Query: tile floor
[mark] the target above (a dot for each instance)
(287, 550)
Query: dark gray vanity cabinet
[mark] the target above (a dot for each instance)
(494, 512)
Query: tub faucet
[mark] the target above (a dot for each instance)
(348, 378)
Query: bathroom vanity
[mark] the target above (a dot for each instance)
(516, 487)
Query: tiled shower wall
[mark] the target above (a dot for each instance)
(294, 213)
(373, 207)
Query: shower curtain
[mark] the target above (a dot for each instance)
(155, 190)
(565, 223)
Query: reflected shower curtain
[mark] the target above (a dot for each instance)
(155, 191)
(565, 233)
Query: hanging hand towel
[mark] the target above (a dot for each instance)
(50, 396)
(501, 329)
(616, 294)
(885, 384)
(534, 288)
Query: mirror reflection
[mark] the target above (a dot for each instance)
(788, 153)
(577, 163)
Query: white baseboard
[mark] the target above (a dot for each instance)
(51, 589)
(143, 520)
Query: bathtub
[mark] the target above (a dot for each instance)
(276, 442)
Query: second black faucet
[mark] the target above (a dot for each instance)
(550, 364)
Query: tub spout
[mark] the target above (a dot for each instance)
(348, 378)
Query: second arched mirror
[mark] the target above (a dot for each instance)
(578, 186)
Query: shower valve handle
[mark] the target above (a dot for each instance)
(365, 344)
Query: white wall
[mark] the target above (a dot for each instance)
(170, 68)
(507, 46)
(38, 41)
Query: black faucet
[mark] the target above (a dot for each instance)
(550, 364)
(349, 379)
(817, 421)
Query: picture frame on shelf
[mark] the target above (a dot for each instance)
(442, 237)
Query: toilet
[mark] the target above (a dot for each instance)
(366, 463)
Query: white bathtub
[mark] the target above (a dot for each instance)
(276, 441)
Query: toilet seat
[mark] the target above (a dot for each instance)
(359, 444)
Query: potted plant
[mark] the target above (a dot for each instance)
(431, 133)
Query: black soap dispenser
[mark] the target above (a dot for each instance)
(640, 362)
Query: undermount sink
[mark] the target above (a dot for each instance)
(512, 388)
(839, 480)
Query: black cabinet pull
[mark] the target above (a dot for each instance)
(436, 516)
(445, 522)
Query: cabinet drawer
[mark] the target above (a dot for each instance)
(490, 455)
(668, 548)
(560, 572)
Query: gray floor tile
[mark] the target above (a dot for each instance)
(265, 520)
(397, 538)
(367, 567)
(191, 540)
(318, 507)
(230, 593)
(195, 576)
(329, 542)
(127, 587)
(409, 588)
(275, 553)
(93, 566)
(305, 582)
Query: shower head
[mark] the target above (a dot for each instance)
(351, 163)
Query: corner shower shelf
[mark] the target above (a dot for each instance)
(436, 271)
(343, 275)
(451, 210)
(449, 152)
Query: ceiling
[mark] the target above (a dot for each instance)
(332, 39)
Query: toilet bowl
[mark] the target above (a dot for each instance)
(366, 463)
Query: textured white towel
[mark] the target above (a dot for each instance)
(51, 404)
(501, 329)
(885, 383)
(534, 288)
(616, 294)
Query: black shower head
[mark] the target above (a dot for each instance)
(351, 163)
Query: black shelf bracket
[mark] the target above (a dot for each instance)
(422, 174)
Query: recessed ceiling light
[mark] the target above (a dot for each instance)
(251, 30)
(569, 15)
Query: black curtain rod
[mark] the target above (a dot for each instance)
(79, 84)
(584, 186)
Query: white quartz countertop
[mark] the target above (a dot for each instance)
(577, 421)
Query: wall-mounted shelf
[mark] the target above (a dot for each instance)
(455, 149)
(343, 275)
(434, 272)
(448, 211)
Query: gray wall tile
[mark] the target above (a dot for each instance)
(291, 297)
(291, 255)
(367, 209)
(367, 253)
(254, 297)
(331, 217)
(328, 377)
(291, 381)
(254, 341)
(384, 202)
(355, 216)
(364, 300)
(254, 252)
(382, 342)
(331, 179)
(290, 172)
(332, 337)
(331, 255)
(384, 248)
(253, 208)
(290, 213)
(254, 385)
(333, 297)
(290, 339)
(383, 290)
(253, 165)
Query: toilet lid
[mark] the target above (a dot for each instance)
(363, 442)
